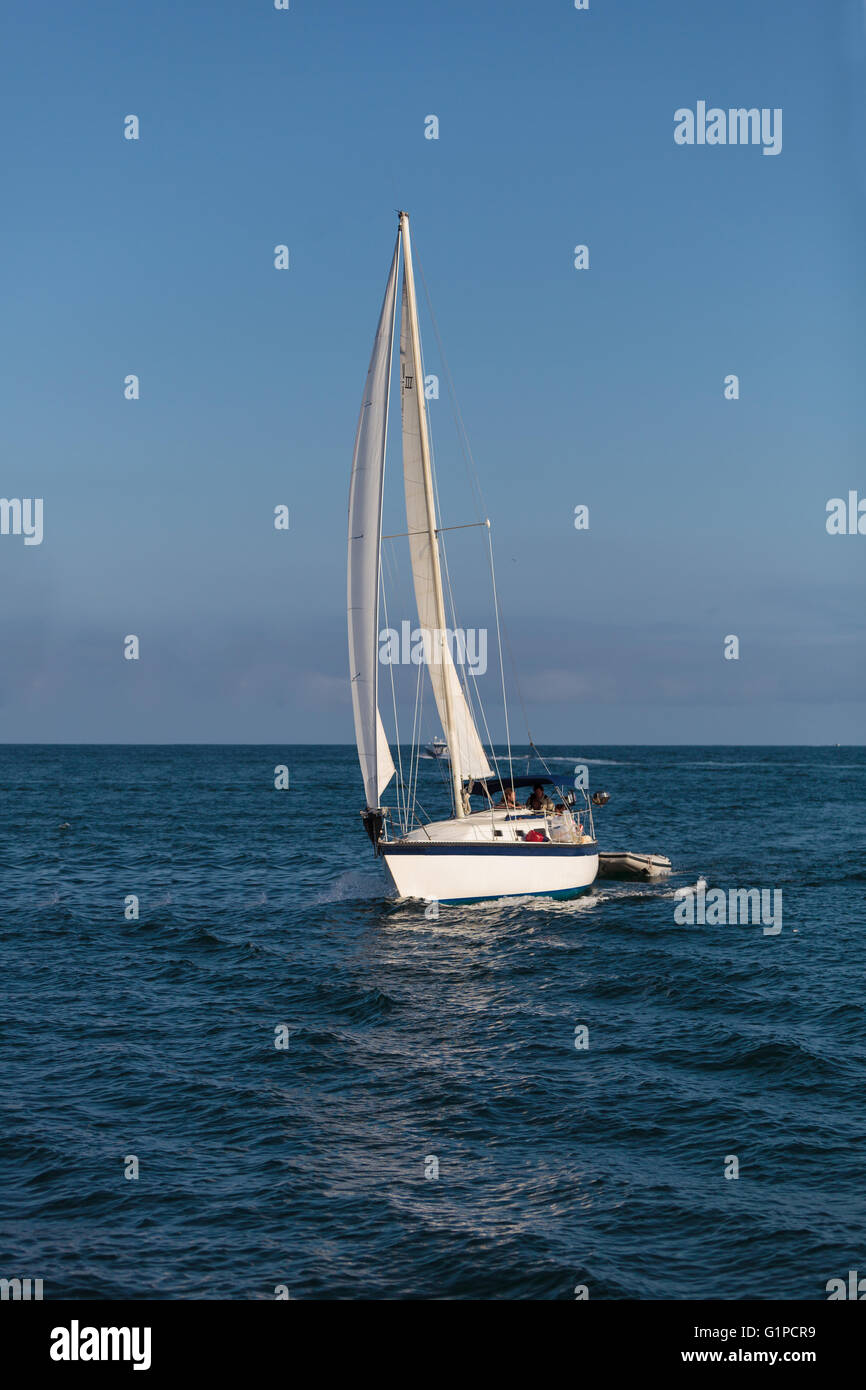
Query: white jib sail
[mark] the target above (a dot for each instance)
(473, 760)
(365, 539)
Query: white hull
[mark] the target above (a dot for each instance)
(490, 873)
(481, 856)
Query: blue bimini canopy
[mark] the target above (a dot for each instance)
(491, 784)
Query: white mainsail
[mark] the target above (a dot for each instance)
(463, 736)
(365, 539)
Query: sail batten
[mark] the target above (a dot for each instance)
(365, 539)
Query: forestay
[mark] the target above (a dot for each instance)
(472, 758)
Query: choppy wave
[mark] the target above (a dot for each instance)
(286, 1050)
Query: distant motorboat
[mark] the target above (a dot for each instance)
(437, 749)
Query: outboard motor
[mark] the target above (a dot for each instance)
(373, 823)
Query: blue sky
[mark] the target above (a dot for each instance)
(602, 387)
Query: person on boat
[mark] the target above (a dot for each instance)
(561, 824)
(539, 801)
(508, 799)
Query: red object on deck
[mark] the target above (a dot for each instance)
(535, 835)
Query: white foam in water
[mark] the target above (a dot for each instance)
(578, 758)
(354, 883)
(691, 888)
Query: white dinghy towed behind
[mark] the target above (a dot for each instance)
(502, 849)
(626, 864)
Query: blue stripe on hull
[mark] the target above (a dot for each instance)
(489, 849)
(493, 897)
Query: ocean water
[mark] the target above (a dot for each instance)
(411, 1039)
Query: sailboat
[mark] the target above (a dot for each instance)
(493, 849)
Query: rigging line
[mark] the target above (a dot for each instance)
(388, 561)
(393, 566)
(421, 808)
(476, 700)
(422, 692)
(433, 472)
(472, 473)
(493, 757)
(468, 455)
(441, 543)
(416, 740)
(394, 702)
(380, 586)
(462, 682)
(475, 703)
(468, 526)
(501, 662)
(396, 578)
(518, 686)
(416, 748)
(471, 470)
(427, 814)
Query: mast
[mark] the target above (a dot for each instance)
(450, 727)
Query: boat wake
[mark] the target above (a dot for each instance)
(354, 884)
(591, 762)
